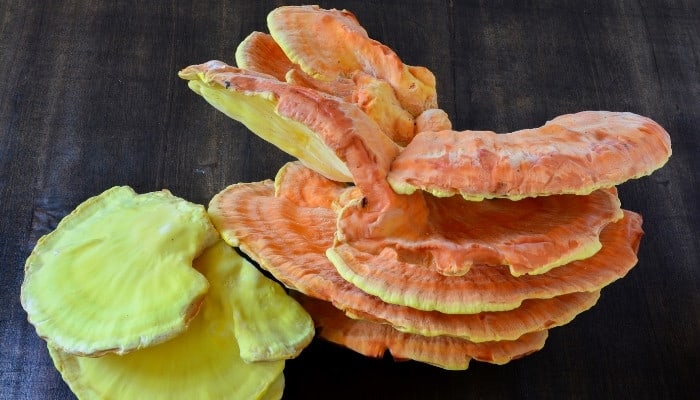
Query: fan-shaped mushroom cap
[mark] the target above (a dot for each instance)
(530, 236)
(255, 100)
(327, 44)
(288, 232)
(280, 236)
(204, 362)
(533, 315)
(488, 288)
(373, 340)
(576, 153)
(268, 324)
(260, 53)
(116, 274)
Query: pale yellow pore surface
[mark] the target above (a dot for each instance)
(116, 274)
(202, 363)
(268, 324)
(275, 390)
(257, 112)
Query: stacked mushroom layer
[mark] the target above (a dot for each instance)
(369, 225)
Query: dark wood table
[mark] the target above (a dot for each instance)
(90, 98)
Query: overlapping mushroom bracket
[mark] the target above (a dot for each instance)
(138, 297)
(402, 235)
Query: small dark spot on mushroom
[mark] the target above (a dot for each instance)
(227, 83)
(364, 202)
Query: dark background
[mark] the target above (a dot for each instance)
(90, 98)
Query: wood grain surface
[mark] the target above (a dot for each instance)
(90, 98)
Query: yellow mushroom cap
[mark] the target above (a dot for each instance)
(267, 323)
(116, 274)
(204, 362)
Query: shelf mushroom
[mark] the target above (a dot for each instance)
(137, 296)
(366, 220)
(204, 362)
(89, 284)
(452, 353)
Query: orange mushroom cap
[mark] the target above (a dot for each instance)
(260, 53)
(328, 44)
(488, 288)
(575, 154)
(375, 97)
(530, 236)
(374, 340)
(533, 315)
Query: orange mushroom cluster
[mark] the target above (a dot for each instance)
(399, 234)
